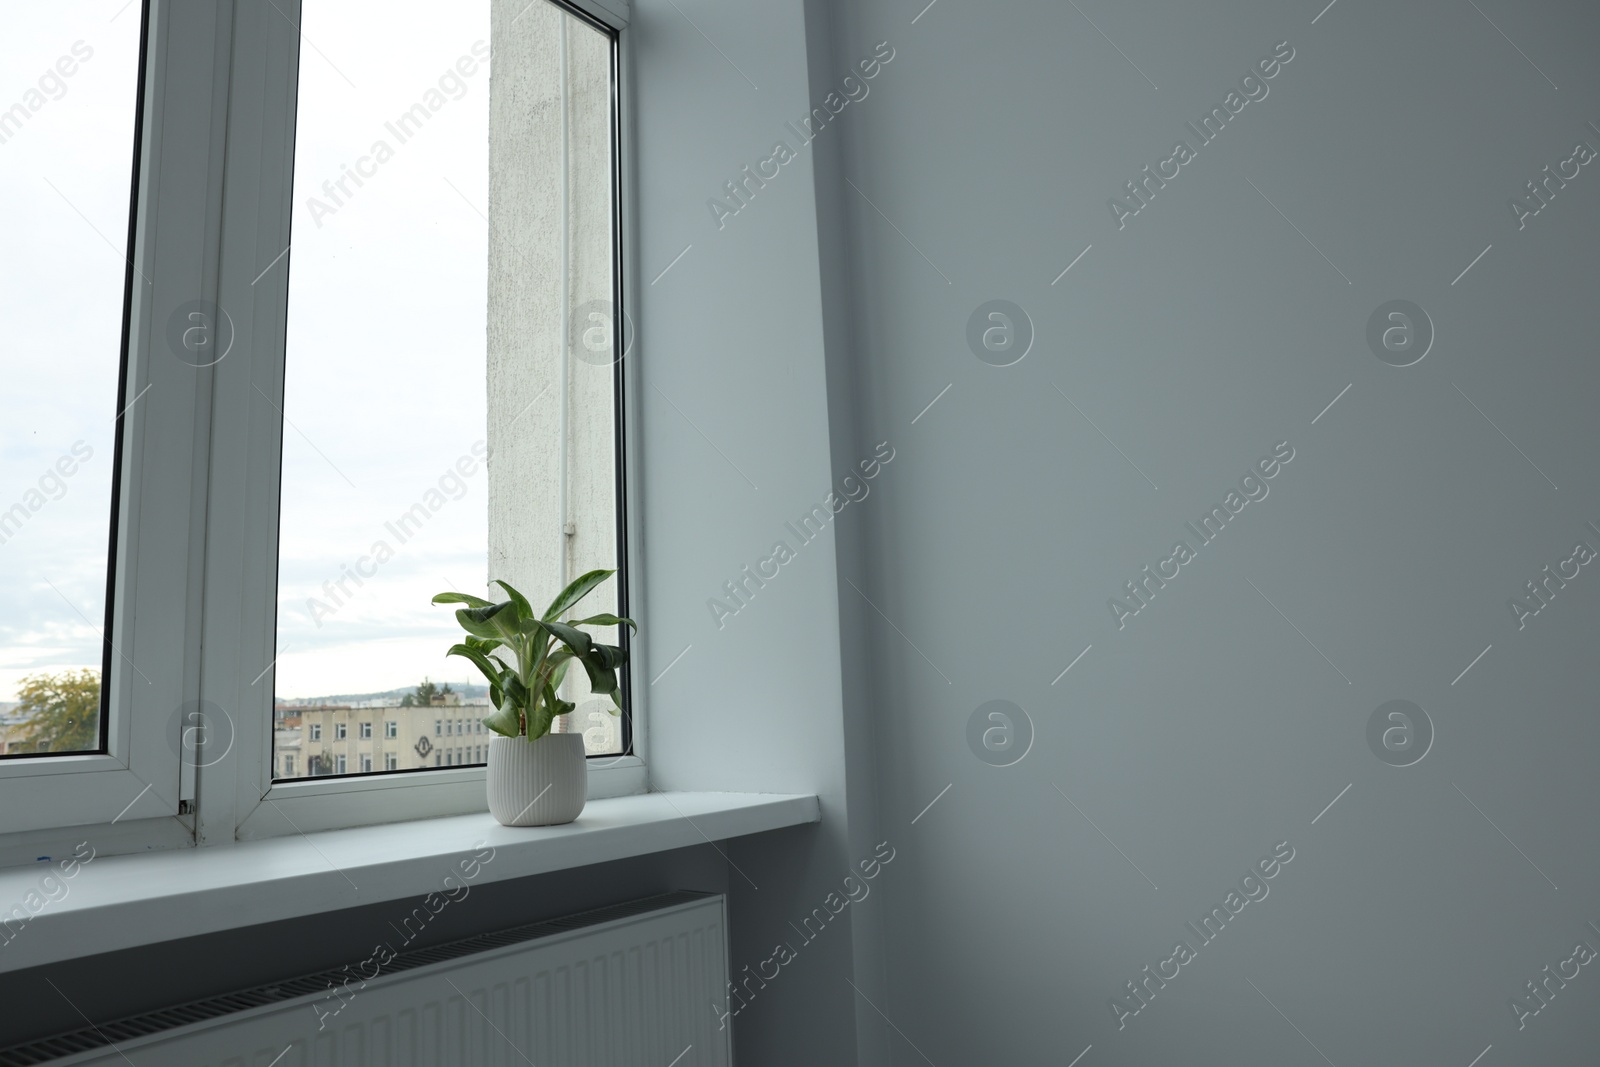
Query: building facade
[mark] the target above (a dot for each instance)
(340, 739)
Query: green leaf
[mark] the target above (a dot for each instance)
(580, 588)
(555, 667)
(461, 598)
(606, 620)
(574, 638)
(548, 707)
(600, 662)
(516, 693)
(504, 722)
(539, 717)
(523, 607)
(487, 666)
(602, 683)
(493, 620)
(472, 621)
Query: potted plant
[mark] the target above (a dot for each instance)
(536, 778)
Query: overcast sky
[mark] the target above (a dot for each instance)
(386, 345)
(61, 291)
(386, 338)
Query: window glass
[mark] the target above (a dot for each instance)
(68, 102)
(451, 290)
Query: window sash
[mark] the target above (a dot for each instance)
(140, 782)
(199, 470)
(244, 571)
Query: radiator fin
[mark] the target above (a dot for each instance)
(631, 984)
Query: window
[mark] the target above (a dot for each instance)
(67, 132)
(92, 495)
(225, 522)
(452, 222)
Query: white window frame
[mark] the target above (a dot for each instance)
(200, 465)
(262, 807)
(140, 791)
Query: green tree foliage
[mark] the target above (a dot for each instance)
(425, 695)
(63, 711)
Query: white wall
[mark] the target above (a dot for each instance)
(736, 445)
(1197, 338)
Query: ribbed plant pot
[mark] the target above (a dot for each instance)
(537, 783)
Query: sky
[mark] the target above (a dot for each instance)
(385, 377)
(64, 189)
(384, 391)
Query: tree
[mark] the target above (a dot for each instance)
(62, 711)
(426, 693)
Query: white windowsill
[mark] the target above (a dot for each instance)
(119, 902)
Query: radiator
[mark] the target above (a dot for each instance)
(632, 985)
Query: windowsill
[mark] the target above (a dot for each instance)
(120, 902)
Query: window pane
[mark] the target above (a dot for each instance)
(67, 117)
(451, 232)
(554, 345)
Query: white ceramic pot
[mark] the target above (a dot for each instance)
(537, 783)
